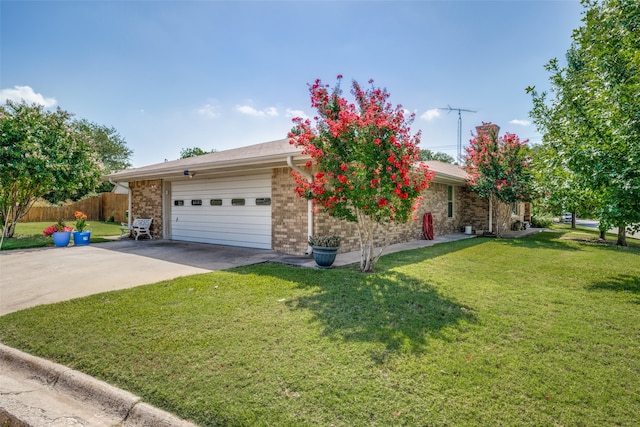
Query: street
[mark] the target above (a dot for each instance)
(594, 224)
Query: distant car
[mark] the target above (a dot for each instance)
(566, 217)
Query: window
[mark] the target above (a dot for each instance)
(215, 202)
(263, 201)
(178, 203)
(237, 202)
(197, 202)
(515, 208)
(449, 201)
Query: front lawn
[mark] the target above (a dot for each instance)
(537, 331)
(29, 234)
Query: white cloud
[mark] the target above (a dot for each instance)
(520, 122)
(19, 93)
(209, 111)
(296, 113)
(250, 111)
(430, 114)
(271, 111)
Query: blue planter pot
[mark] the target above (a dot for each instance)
(61, 238)
(81, 238)
(324, 256)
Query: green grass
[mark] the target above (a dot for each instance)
(531, 332)
(29, 234)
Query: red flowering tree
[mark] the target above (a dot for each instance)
(364, 161)
(498, 169)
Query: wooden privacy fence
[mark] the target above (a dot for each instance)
(98, 208)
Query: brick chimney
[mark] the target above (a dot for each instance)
(488, 129)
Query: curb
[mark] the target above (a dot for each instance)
(85, 389)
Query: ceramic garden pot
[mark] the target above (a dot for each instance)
(324, 256)
(61, 238)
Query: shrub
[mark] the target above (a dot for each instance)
(541, 222)
(325, 241)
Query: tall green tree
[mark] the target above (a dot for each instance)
(193, 152)
(558, 189)
(593, 119)
(364, 156)
(41, 154)
(426, 154)
(110, 148)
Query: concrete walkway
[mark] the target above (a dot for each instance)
(36, 392)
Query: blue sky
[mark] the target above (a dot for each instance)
(223, 74)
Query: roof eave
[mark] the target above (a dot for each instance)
(162, 172)
(443, 178)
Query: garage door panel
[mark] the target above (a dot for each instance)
(247, 225)
(222, 228)
(227, 238)
(241, 221)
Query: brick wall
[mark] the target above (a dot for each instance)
(475, 212)
(434, 201)
(147, 203)
(288, 215)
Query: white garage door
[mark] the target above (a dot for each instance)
(232, 211)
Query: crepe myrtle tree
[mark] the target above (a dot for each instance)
(364, 161)
(41, 154)
(498, 169)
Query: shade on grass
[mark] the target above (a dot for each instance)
(539, 331)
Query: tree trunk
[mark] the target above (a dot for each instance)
(367, 228)
(366, 258)
(573, 219)
(8, 230)
(622, 236)
(603, 234)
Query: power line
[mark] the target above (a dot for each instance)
(459, 110)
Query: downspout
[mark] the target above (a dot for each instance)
(309, 202)
(130, 200)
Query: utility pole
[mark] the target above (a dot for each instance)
(459, 110)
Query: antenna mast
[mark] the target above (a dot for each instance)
(459, 110)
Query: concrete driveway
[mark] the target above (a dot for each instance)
(47, 275)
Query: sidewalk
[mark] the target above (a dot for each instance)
(35, 392)
(347, 258)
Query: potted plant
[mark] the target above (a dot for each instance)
(60, 232)
(80, 236)
(325, 249)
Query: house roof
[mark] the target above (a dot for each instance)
(447, 173)
(266, 155)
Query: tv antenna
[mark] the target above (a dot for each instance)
(459, 110)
